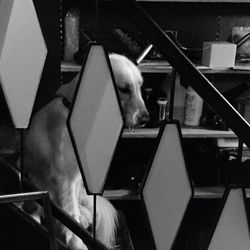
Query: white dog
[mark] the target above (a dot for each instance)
(50, 162)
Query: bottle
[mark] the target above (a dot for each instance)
(71, 33)
(162, 102)
(193, 108)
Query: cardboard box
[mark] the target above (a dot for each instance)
(218, 54)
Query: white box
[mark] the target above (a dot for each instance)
(218, 54)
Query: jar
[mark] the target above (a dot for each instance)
(71, 33)
(163, 112)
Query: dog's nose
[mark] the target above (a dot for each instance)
(143, 118)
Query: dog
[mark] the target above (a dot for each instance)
(50, 162)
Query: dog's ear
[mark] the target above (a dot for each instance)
(67, 90)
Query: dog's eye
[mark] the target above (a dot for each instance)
(125, 90)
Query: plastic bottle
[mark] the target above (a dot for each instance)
(193, 108)
(162, 102)
(71, 33)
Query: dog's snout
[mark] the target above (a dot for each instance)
(143, 118)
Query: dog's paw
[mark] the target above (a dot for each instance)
(73, 242)
(86, 217)
(76, 243)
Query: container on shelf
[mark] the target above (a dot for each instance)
(163, 108)
(71, 33)
(193, 108)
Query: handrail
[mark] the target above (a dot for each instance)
(31, 196)
(59, 214)
(173, 54)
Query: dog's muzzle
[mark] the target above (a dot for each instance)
(143, 118)
(139, 119)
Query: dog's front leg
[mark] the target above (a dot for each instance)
(68, 201)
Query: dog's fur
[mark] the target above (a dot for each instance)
(49, 159)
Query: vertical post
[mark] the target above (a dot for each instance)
(94, 216)
(49, 224)
(96, 19)
(21, 159)
(172, 93)
(240, 144)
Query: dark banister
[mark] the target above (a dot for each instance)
(172, 53)
(12, 185)
(31, 196)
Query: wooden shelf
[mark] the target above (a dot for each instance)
(164, 67)
(187, 132)
(121, 194)
(70, 67)
(140, 133)
(213, 192)
(209, 192)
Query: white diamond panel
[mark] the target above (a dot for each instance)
(167, 190)
(96, 119)
(232, 230)
(22, 56)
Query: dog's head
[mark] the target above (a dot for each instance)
(129, 81)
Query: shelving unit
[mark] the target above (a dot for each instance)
(213, 24)
(164, 67)
(212, 21)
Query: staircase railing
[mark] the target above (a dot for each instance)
(173, 54)
(31, 196)
(9, 173)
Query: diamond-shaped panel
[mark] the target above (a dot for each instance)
(23, 53)
(167, 189)
(232, 231)
(95, 121)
